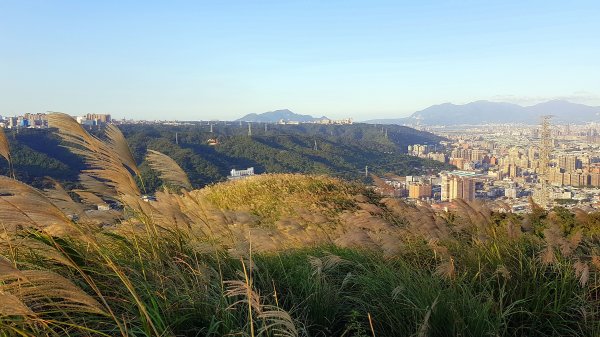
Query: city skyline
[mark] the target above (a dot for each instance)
(200, 60)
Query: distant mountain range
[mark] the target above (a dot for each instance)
(486, 112)
(277, 115)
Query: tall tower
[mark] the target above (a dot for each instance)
(545, 151)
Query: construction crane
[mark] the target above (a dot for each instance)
(546, 145)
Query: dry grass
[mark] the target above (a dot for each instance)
(181, 254)
(24, 206)
(170, 171)
(118, 144)
(272, 197)
(5, 150)
(107, 162)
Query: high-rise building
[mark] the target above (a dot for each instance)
(513, 170)
(556, 177)
(98, 118)
(511, 192)
(457, 187)
(419, 190)
(568, 163)
(531, 153)
(478, 154)
(595, 179)
(458, 162)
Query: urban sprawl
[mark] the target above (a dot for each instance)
(511, 164)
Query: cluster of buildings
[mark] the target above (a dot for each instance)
(322, 121)
(501, 162)
(94, 119)
(28, 120)
(443, 187)
(428, 151)
(40, 120)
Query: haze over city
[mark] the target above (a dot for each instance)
(210, 60)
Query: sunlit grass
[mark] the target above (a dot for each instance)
(285, 255)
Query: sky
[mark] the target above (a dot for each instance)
(199, 60)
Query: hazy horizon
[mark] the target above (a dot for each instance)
(201, 60)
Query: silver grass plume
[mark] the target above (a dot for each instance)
(104, 163)
(21, 204)
(97, 187)
(118, 143)
(61, 198)
(169, 170)
(5, 150)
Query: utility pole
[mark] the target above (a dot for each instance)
(249, 129)
(211, 127)
(386, 134)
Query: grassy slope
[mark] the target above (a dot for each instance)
(174, 272)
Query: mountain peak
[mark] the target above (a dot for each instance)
(277, 115)
(484, 112)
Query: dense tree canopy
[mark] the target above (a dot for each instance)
(338, 150)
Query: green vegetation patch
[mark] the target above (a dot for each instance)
(273, 196)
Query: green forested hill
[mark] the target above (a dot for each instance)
(341, 150)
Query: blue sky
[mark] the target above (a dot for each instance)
(222, 59)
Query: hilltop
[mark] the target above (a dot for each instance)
(486, 112)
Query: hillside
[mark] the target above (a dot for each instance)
(294, 255)
(484, 112)
(342, 151)
(279, 255)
